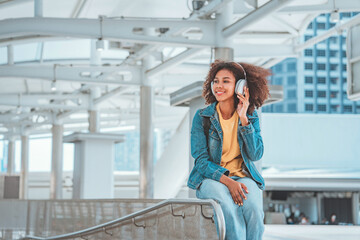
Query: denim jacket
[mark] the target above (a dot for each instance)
(207, 154)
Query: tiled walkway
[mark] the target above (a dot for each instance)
(311, 232)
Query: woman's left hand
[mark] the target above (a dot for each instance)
(244, 103)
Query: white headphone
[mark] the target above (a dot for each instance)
(240, 83)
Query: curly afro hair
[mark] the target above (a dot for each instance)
(256, 80)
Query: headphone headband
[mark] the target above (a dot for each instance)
(241, 68)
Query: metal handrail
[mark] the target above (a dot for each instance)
(103, 227)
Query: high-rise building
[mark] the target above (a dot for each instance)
(317, 81)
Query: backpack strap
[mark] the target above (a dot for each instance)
(206, 125)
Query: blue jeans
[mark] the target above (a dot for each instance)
(242, 222)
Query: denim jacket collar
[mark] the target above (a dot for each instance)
(211, 111)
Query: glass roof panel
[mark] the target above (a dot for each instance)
(25, 52)
(73, 49)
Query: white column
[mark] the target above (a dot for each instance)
(10, 54)
(38, 8)
(146, 129)
(318, 206)
(355, 208)
(57, 162)
(224, 18)
(11, 156)
(95, 92)
(24, 166)
(94, 116)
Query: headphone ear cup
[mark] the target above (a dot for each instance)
(212, 88)
(239, 87)
(237, 90)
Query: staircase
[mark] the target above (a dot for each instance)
(113, 219)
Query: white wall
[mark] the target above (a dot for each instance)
(311, 140)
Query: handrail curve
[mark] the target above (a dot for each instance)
(104, 227)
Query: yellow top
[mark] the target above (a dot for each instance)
(231, 158)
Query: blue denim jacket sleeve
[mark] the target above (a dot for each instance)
(199, 151)
(254, 146)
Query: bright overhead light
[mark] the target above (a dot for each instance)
(100, 45)
(53, 86)
(335, 16)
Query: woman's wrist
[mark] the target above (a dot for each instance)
(225, 180)
(244, 121)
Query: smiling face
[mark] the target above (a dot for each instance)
(224, 85)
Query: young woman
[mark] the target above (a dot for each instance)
(225, 141)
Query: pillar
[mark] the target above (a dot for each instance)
(11, 156)
(147, 129)
(24, 167)
(57, 162)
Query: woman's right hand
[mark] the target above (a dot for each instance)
(236, 189)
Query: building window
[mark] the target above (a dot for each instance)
(321, 94)
(322, 108)
(320, 53)
(333, 67)
(308, 52)
(310, 26)
(278, 67)
(345, 80)
(291, 80)
(320, 25)
(292, 107)
(291, 66)
(321, 80)
(333, 40)
(334, 94)
(345, 15)
(308, 66)
(309, 107)
(291, 94)
(321, 66)
(334, 108)
(308, 79)
(279, 108)
(332, 24)
(343, 53)
(278, 81)
(309, 93)
(333, 53)
(357, 109)
(344, 67)
(307, 37)
(334, 80)
(347, 108)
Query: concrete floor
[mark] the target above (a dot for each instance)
(311, 232)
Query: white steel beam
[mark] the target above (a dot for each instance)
(109, 29)
(317, 6)
(44, 101)
(110, 94)
(291, 29)
(253, 17)
(172, 62)
(121, 75)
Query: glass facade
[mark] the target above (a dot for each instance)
(315, 82)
